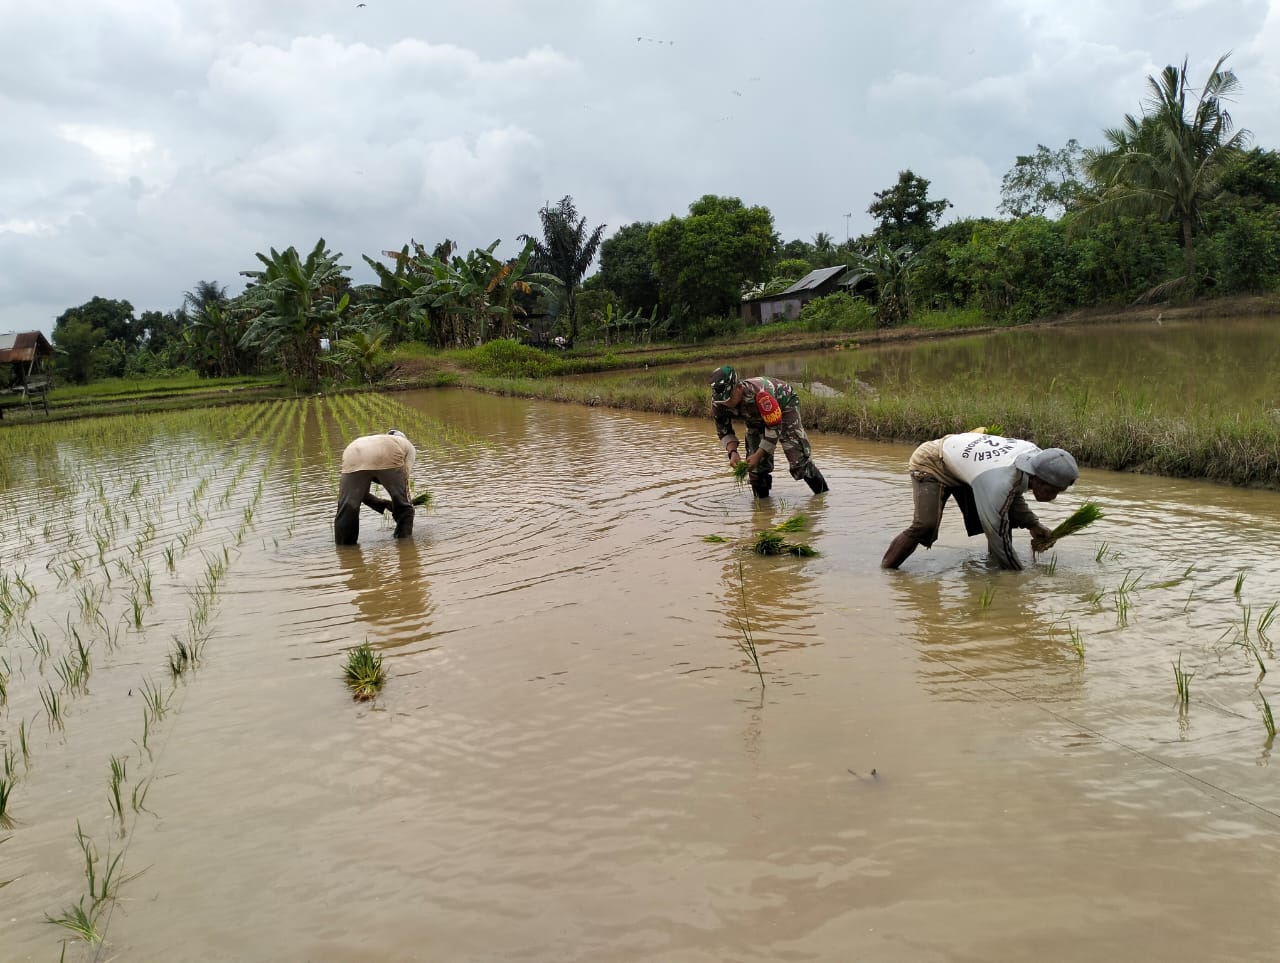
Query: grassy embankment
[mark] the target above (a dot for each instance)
(1122, 431)
(1113, 432)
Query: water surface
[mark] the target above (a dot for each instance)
(573, 759)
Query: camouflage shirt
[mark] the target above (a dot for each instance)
(755, 392)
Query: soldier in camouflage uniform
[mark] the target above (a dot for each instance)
(771, 411)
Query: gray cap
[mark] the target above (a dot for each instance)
(1053, 465)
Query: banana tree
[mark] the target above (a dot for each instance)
(474, 297)
(294, 302)
(400, 300)
(890, 270)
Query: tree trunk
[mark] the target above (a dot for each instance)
(1189, 254)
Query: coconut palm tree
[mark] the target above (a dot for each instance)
(213, 341)
(565, 250)
(1169, 163)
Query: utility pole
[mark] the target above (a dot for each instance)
(846, 228)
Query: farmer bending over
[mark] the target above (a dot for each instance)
(771, 411)
(385, 459)
(986, 474)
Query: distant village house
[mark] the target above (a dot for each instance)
(786, 305)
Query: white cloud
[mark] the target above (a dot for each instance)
(153, 143)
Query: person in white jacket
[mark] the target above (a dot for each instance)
(385, 459)
(987, 475)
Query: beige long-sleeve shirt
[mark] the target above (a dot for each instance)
(378, 453)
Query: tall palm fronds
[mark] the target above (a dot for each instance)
(293, 301)
(1168, 164)
(565, 250)
(204, 294)
(213, 340)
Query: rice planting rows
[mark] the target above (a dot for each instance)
(118, 536)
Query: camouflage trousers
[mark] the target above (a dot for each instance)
(795, 445)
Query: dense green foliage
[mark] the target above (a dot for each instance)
(1170, 163)
(703, 260)
(905, 216)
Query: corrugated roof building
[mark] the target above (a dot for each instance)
(786, 304)
(18, 347)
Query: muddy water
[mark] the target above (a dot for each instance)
(574, 760)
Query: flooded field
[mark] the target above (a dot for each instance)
(573, 758)
(1177, 367)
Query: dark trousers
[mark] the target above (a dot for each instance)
(353, 491)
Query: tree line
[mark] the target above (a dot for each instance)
(1174, 203)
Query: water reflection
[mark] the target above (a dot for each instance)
(388, 585)
(981, 625)
(770, 597)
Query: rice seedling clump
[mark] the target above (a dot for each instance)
(771, 541)
(364, 674)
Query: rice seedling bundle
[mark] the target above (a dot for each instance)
(421, 498)
(1081, 518)
(363, 673)
(771, 540)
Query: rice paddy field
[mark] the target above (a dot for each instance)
(606, 729)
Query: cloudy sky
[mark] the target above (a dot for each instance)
(151, 144)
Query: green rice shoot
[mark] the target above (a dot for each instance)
(421, 498)
(796, 523)
(363, 673)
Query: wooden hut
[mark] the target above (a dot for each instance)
(24, 367)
